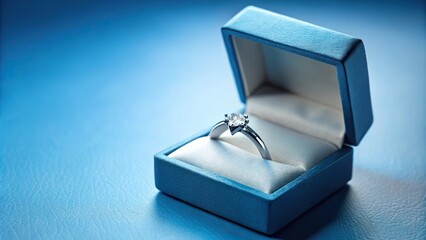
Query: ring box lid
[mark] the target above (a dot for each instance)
(295, 37)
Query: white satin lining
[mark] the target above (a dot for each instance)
(294, 105)
(236, 158)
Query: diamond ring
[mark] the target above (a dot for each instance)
(237, 122)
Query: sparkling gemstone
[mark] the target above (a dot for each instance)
(236, 119)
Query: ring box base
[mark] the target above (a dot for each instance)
(263, 212)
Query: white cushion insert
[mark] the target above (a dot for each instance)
(298, 113)
(294, 105)
(236, 158)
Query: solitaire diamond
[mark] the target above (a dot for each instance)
(236, 119)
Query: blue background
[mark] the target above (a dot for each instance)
(90, 90)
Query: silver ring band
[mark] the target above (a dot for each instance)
(237, 122)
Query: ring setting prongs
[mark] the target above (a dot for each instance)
(236, 122)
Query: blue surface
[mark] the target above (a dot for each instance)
(82, 84)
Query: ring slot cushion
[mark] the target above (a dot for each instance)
(237, 158)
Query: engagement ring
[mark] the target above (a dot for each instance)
(237, 122)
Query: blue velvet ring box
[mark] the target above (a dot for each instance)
(306, 91)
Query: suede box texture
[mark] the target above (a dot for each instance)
(336, 113)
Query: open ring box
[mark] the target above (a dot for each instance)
(306, 91)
